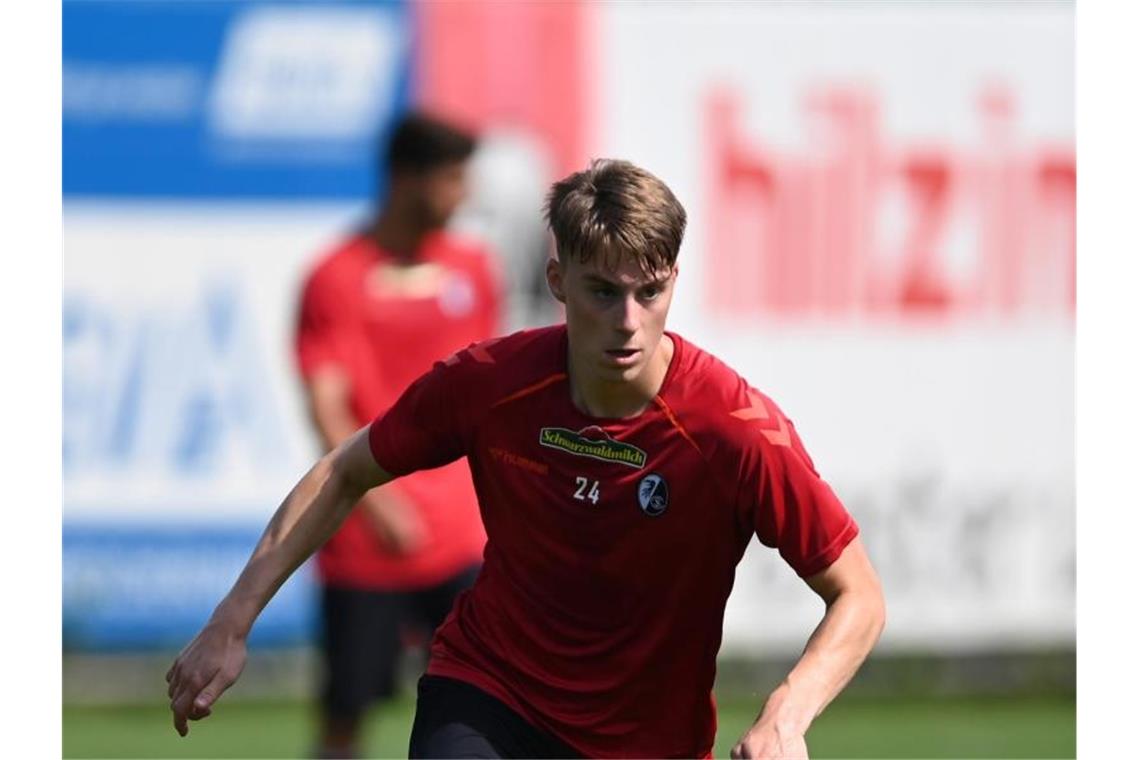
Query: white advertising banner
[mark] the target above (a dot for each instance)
(181, 399)
(881, 237)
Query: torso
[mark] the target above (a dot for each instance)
(612, 543)
(625, 520)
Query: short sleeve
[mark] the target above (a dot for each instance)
(424, 428)
(323, 325)
(792, 508)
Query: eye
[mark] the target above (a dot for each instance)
(651, 292)
(603, 291)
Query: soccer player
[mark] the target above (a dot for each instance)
(621, 473)
(375, 313)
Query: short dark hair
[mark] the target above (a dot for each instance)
(421, 142)
(616, 209)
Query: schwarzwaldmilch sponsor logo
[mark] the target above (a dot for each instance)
(603, 448)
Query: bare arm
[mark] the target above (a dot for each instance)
(309, 515)
(856, 614)
(392, 518)
(327, 393)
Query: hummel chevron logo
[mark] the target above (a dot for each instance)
(776, 431)
(477, 351)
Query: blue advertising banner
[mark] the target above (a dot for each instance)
(198, 139)
(230, 100)
(129, 587)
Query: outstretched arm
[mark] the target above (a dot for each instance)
(311, 512)
(856, 614)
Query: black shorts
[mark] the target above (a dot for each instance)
(455, 719)
(361, 638)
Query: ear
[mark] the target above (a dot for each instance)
(554, 279)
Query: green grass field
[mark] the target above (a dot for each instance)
(863, 728)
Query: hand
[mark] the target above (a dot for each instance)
(767, 740)
(395, 520)
(202, 671)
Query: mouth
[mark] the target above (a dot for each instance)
(623, 356)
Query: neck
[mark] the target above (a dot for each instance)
(617, 399)
(397, 235)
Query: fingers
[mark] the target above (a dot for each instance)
(181, 703)
(172, 677)
(181, 708)
(189, 699)
(185, 707)
(750, 749)
(210, 693)
(174, 687)
(200, 675)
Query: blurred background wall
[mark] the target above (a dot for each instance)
(882, 217)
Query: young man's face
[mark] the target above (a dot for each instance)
(431, 196)
(614, 317)
(441, 190)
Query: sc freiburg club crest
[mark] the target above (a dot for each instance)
(653, 495)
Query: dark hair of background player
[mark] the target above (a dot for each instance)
(420, 143)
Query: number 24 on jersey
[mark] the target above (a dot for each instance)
(587, 489)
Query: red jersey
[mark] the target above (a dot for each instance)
(383, 325)
(612, 543)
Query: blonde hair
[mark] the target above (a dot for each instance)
(615, 209)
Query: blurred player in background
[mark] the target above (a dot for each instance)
(621, 472)
(375, 313)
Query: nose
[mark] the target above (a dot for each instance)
(629, 315)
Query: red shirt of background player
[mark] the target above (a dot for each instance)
(637, 523)
(383, 325)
